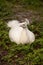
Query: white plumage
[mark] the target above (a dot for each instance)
(12, 23)
(19, 32)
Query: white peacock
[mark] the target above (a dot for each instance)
(19, 32)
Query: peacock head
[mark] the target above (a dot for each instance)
(25, 23)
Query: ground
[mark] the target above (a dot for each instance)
(11, 53)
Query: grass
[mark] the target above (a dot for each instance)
(22, 54)
(11, 53)
(7, 7)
